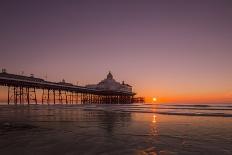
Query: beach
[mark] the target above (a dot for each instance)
(115, 129)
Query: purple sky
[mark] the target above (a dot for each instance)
(176, 50)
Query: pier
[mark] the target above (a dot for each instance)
(24, 90)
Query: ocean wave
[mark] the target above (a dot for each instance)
(154, 111)
(198, 105)
(185, 110)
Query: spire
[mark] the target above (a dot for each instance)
(109, 76)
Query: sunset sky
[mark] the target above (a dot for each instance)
(175, 50)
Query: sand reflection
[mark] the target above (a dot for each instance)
(154, 119)
(154, 131)
(111, 121)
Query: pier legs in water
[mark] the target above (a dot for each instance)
(21, 95)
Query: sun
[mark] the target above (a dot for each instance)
(154, 99)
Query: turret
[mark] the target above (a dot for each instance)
(4, 70)
(109, 76)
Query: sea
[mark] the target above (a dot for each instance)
(130, 129)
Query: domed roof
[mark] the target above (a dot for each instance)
(111, 84)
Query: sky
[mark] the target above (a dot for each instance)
(175, 50)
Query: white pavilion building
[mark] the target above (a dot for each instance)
(110, 84)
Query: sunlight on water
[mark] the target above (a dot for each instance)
(112, 129)
(154, 119)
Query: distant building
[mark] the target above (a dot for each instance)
(111, 84)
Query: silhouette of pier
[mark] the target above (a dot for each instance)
(24, 89)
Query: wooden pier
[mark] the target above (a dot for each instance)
(24, 90)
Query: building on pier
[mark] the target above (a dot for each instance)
(110, 84)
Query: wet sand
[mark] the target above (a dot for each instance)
(78, 130)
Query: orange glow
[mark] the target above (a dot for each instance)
(154, 99)
(217, 97)
(191, 98)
